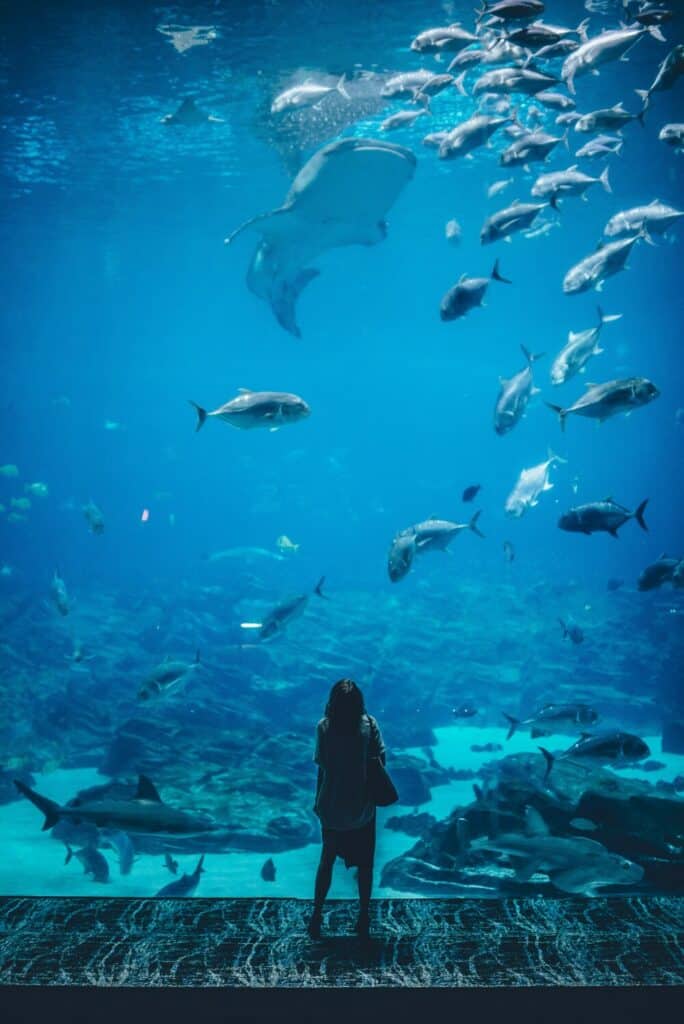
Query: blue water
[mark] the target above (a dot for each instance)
(121, 303)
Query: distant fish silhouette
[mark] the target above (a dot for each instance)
(471, 492)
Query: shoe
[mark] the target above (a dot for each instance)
(363, 925)
(314, 925)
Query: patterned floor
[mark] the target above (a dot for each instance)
(263, 943)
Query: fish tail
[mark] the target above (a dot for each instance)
(560, 413)
(605, 180)
(200, 866)
(550, 759)
(458, 84)
(553, 203)
(513, 724)
(201, 415)
(497, 276)
(656, 33)
(645, 97)
(69, 855)
(318, 589)
(50, 809)
(472, 525)
(639, 515)
(532, 357)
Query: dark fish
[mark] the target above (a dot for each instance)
(471, 492)
(554, 718)
(468, 293)
(268, 871)
(601, 401)
(613, 748)
(572, 631)
(601, 517)
(143, 813)
(94, 517)
(509, 551)
(93, 862)
(464, 711)
(276, 620)
(401, 555)
(659, 572)
(486, 748)
(170, 863)
(614, 583)
(185, 885)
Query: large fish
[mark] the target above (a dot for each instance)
(277, 620)
(579, 349)
(144, 813)
(185, 885)
(672, 134)
(529, 148)
(469, 135)
(166, 677)
(437, 534)
(601, 401)
(616, 749)
(607, 119)
(448, 38)
(401, 555)
(574, 865)
(269, 409)
(510, 10)
(669, 72)
(601, 517)
(530, 485)
(514, 396)
(510, 80)
(513, 218)
(595, 269)
(467, 294)
(662, 571)
(607, 46)
(340, 197)
(571, 182)
(553, 718)
(655, 218)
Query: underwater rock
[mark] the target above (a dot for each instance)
(673, 736)
(411, 785)
(294, 829)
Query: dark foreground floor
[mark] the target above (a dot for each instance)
(248, 944)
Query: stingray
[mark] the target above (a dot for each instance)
(340, 197)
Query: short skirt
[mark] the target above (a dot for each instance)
(356, 846)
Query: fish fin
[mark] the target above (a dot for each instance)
(605, 180)
(497, 276)
(472, 525)
(458, 84)
(535, 733)
(50, 809)
(551, 455)
(599, 285)
(614, 533)
(656, 33)
(318, 589)
(284, 304)
(560, 413)
(532, 357)
(479, 795)
(534, 823)
(513, 724)
(254, 222)
(147, 790)
(550, 759)
(341, 89)
(201, 415)
(639, 515)
(245, 391)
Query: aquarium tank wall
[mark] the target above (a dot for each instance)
(419, 424)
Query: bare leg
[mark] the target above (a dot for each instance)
(323, 880)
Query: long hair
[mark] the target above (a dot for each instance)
(345, 706)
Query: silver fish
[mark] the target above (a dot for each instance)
(571, 182)
(579, 349)
(615, 397)
(270, 409)
(467, 294)
(515, 217)
(530, 485)
(514, 396)
(593, 270)
(608, 46)
(656, 218)
(469, 135)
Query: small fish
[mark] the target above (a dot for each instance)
(471, 492)
(572, 631)
(283, 543)
(509, 551)
(38, 490)
(112, 425)
(166, 677)
(9, 469)
(23, 504)
(94, 518)
(171, 864)
(673, 135)
(59, 594)
(453, 232)
(498, 187)
(188, 113)
(614, 583)
(268, 870)
(464, 711)
(92, 860)
(401, 119)
(277, 619)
